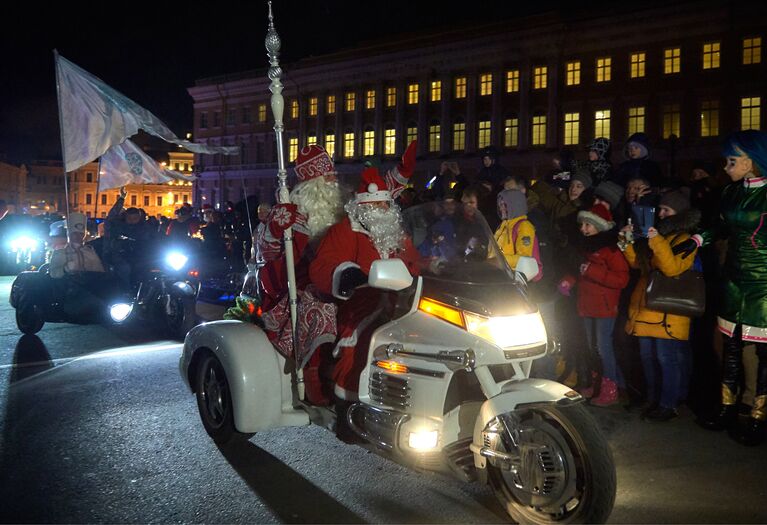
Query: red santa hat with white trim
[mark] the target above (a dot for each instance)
(599, 216)
(372, 188)
(312, 162)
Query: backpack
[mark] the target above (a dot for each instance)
(536, 249)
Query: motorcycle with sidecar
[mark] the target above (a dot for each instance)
(446, 386)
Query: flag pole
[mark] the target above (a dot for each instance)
(273, 44)
(61, 135)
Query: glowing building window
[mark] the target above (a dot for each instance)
(485, 84)
(412, 94)
(330, 143)
(435, 142)
(369, 143)
(460, 87)
(350, 101)
(370, 99)
(539, 130)
(391, 97)
(293, 109)
(483, 134)
(711, 55)
(512, 81)
(671, 119)
(637, 65)
(311, 140)
(262, 112)
(604, 69)
(511, 132)
(390, 141)
(672, 60)
(602, 123)
(330, 102)
(459, 136)
(436, 90)
(412, 134)
(709, 118)
(752, 50)
(573, 73)
(750, 113)
(540, 77)
(572, 128)
(292, 149)
(313, 107)
(636, 120)
(348, 145)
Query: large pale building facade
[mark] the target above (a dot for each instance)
(685, 74)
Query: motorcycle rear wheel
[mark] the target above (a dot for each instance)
(577, 452)
(29, 319)
(214, 402)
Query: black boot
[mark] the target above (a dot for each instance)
(750, 433)
(724, 417)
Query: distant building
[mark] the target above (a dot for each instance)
(13, 188)
(686, 74)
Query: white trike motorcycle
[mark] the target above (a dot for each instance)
(447, 384)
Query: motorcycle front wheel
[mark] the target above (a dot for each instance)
(567, 472)
(180, 316)
(29, 318)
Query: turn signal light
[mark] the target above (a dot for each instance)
(443, 311)
(392, 366)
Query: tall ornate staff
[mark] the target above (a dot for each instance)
(273, 44)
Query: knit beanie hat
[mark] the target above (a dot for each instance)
(678, 200)
(601, 146)
(610, 192)
(598, 216)
(641, 141)
(583, 176)
(511, 204)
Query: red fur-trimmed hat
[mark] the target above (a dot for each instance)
(598, 216)
(312, 162)
(372, 187)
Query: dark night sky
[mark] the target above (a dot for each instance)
(152, 52)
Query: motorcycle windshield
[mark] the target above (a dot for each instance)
(457, 241)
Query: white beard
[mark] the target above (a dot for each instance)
(320, 202)
(382, 225)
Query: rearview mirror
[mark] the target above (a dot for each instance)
(389, 274)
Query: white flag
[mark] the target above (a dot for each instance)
(95, 117)
(126, 163)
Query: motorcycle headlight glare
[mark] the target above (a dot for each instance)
(23, 243)
(509, 331)
(119, 312)
(176, 260)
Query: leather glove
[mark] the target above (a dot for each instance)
(686, 248)
(351, 278)
(407, 165)
(282, 217)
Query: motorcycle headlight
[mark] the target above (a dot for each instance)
(119, 312)
(509, 331)
(23, 243)
(176, 260)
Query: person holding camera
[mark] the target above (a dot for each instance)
(663, 337)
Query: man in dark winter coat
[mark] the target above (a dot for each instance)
(637, 163)
(492, 171)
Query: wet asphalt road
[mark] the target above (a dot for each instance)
(96, 426)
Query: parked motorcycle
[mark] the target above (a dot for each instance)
(446, 386)
(165, 292)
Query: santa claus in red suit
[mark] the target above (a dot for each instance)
(372, 230)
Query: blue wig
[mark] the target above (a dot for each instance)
(751, 142)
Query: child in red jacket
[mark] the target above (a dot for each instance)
(603, 274)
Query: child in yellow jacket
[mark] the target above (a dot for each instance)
(516, 234)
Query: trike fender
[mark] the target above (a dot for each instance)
(261, 392)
